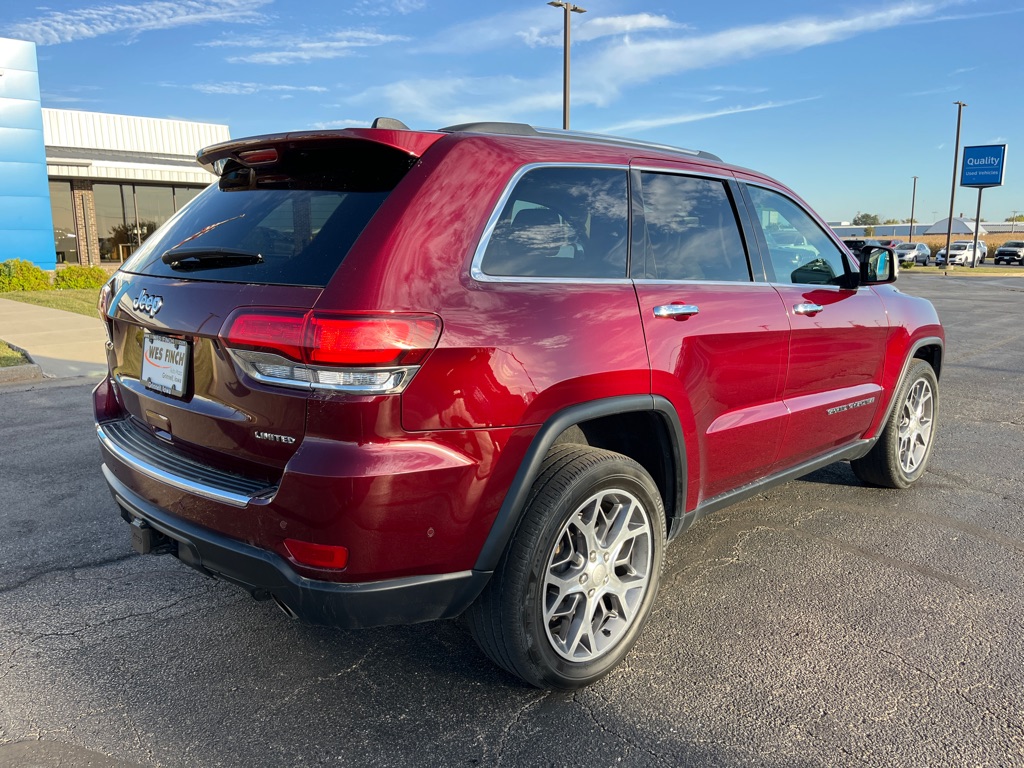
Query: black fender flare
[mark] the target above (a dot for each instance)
(513, 506)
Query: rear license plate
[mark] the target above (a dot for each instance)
(165, 364)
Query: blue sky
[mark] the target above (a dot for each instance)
(845, 102)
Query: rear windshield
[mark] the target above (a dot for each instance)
(906, 247)
(284, 225)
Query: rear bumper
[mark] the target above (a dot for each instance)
(266, 575)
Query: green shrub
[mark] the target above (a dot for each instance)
(21, 275)
(80, 277)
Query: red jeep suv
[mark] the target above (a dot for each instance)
(383, 376)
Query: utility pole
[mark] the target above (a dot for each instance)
(913, 199)
(569, 8)
(952, 194)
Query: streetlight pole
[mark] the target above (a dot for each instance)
(569, 8)
(952, 194)
(913, 199)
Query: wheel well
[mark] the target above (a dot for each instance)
(642, 436)
(931, 354)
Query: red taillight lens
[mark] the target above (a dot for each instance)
(370, 341)
(103, 301)
(336, 340)
(258, 156)
(317, 555)
(268, 332)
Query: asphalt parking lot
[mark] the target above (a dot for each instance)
(820, 623)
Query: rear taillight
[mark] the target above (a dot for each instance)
(364, 354)
(103, 305)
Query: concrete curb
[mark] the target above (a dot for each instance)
(19, 373)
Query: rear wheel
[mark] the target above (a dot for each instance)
(900, 456)
(576, 585)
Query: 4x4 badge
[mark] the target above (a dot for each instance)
(148, 303)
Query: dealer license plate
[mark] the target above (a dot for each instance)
(165, 364)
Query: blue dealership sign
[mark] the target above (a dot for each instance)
(983, 166)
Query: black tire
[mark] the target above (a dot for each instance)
(900, 457)
(588, 552)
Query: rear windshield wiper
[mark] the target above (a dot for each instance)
(209, 258)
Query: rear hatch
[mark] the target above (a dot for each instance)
(236, 271)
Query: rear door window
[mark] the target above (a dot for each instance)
(562, 222)
(689, 231)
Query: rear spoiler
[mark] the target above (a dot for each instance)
(214, 158)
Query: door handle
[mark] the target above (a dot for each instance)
(676, 311)
(808, 309)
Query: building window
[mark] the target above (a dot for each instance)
(65, 238)
(110, 222)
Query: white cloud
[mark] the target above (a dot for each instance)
(644, 124)
(332, 124)
(56, 27)
(300, 50)
(585, 29)
(628, 61)
(248, 89)
(434, 102)
(378, 8)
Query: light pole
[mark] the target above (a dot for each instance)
(952, 194)
(1013, 223)
(569, 8)
(913, 199)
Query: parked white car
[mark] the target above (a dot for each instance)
(962, 252)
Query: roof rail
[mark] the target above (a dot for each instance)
(522, 129)
(509, 129)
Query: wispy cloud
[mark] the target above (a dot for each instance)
(630, 61)
(584, 30)
(937, 91)
(300, 50)
(330, 124)
(437, 101)
(663, 122)
(56, 27)
(377, 8)
(962, 71)
(247, 89)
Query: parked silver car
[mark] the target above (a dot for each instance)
(914, 253)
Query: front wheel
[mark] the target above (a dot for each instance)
(576, 585)
(899, 458)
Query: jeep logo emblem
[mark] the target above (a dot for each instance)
(147, 303)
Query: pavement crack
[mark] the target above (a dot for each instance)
(656, 758)
(513, 722)
(65, 569)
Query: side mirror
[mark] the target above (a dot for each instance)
(877, 265)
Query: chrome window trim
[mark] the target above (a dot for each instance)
(698, 281)
(700, 174)
(476, 268)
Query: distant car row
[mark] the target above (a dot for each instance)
(907, 253)
(1009, 252)
(961, 252)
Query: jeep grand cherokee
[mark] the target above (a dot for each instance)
(384, 376)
